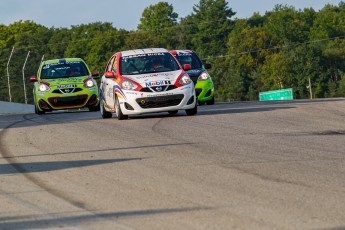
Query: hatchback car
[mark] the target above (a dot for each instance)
(203, 83)
(145, 81)
(65, 83)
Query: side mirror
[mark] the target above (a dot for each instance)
(33, 78)
(208, 66)
(187, 66)
(109, 74)
(95, 74)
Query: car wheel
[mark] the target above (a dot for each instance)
(173, 112)
(193, 111)
(105, 114)
(201, 103)
(37, 111)
(211, 102)
(119, 113)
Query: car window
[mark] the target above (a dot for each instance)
(189, 58)
(114, 66)
(62, 70)
(110, 66)
(147, 63)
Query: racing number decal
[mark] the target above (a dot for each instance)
(109, 92)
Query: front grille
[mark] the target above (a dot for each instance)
(208, 93)
(78, 100)
(67, 90)
(158, 88)
(159, 102)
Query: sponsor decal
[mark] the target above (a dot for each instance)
(40, 93)
(155, 75)
(159, 94)
(70, 86)
(157, 83)
(132, 93)
(187, 87)
(184, 53)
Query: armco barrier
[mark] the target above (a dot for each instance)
(283, 94)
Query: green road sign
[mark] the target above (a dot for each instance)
(283, 94)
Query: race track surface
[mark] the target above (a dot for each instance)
(252, 165)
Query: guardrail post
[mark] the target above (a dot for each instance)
(26, 59)
(8, 76)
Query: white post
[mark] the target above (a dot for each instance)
(8, 76)
(310, 90)
(26, 59)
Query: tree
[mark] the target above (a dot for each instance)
(275, 71)
(305, 65)
(141, 39)
(161, 20)
(286, 25)
(103, 45)
(213, 24)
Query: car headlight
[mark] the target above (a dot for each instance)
(43, 87)
(128, 85)
(185, 80)
(204, 76)
(89, 83)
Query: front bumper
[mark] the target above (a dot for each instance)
(48, 101)
(143, 102)
(204, 90)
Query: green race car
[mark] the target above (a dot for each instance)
(65, 83)
(204, 87)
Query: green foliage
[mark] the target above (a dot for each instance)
(161, 20)
(341, 89)
(212, 23)
(284, 48)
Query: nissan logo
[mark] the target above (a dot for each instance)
(159, 89)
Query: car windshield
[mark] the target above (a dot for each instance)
(148, 63)
(189, 58)
(64, 70)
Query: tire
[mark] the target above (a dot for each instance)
(201, 103)
(211, 102)
(37, 111)
(105, 114)
(173, 112)
(119, 113)
(193, 111)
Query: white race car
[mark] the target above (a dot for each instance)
(146, 81)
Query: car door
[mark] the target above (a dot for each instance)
(109, 83)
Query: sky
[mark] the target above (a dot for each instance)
(125, 14)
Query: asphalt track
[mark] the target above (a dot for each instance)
(15, 108)
(253, 165)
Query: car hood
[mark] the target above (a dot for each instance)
(63, 81)
(155, 79)
(195, 73)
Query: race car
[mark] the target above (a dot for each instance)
(145, 81)
(65, 83)
(203, 83)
